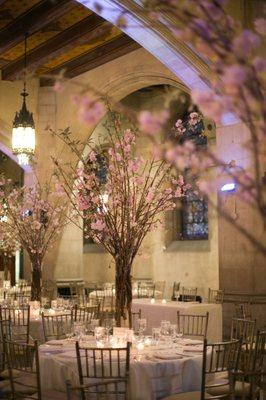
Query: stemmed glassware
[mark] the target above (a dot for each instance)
(165, 326)
(78, 330)
(142, 324)
(179, 332)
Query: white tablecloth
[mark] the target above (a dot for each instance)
(150, 379)
(111, 293)
(155, 313)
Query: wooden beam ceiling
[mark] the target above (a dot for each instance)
(62, 35)
(35, 19)
(80, 33)
(95, 58)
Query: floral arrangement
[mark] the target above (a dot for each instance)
(120, 210)
(8, 244)
(237, 86)
(33, 216)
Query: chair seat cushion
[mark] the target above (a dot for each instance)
(5, 374)
(24, 383)
(184, 396)
(49, 395)
(240, 388)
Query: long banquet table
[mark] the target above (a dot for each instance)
(150, 377)
(155, 312)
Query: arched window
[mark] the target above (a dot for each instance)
(191, 219)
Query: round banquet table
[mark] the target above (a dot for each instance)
(111, 293)
(150, 377)
(155, 312)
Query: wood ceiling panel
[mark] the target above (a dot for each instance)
(11, 9)
(77, 14)
(61, 34)
(81, 49)
(100, 55)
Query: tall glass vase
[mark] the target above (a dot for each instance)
(123, 291)
(36, 279)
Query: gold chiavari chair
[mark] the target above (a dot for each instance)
(103, 364)
(77, 288)
(109, 390)
(57, 326)
(85, 314)
(5, 333)
(24, 373)
(218, 359)
(146, 290)
(249, 380)
(106, 316)
(189, 294)
(193, 325)
(243, 310)
(20, 321)
(106, 299)
(215, 296)
(245, 329)
(49, 289)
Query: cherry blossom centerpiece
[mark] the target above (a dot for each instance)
(120, 210)
(36, 216)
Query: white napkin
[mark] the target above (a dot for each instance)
(196, 349)
(164, 355)
(56, 342)
(191, 342)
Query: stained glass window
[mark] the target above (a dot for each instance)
(194, 211)
(194, 217)
(101, 171)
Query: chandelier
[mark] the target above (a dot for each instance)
(23, 132)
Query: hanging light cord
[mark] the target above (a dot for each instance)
(25, 61)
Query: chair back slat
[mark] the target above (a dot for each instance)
(114, 389)
(19, 321)
(243, 311)
(193, 325)
(243, 328)
(189, 294)
(252, 373)
(215, 296)
(57, 326)
(101, 363)
(217, 358)
(23, 358)
(86, 314)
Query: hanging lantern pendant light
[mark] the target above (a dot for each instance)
(23, 132)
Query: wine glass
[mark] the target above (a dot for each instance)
(179, 332)
(79, 329)
(93, 324)
(109, 324)
(142, 324)
(156, 335)
(172, 332)
(100, 333)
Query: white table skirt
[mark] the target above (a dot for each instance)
(155, 313)
(149, 380)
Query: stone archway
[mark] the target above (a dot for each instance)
(159, 41)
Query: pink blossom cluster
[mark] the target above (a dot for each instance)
(34, 216)
(90, 109)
